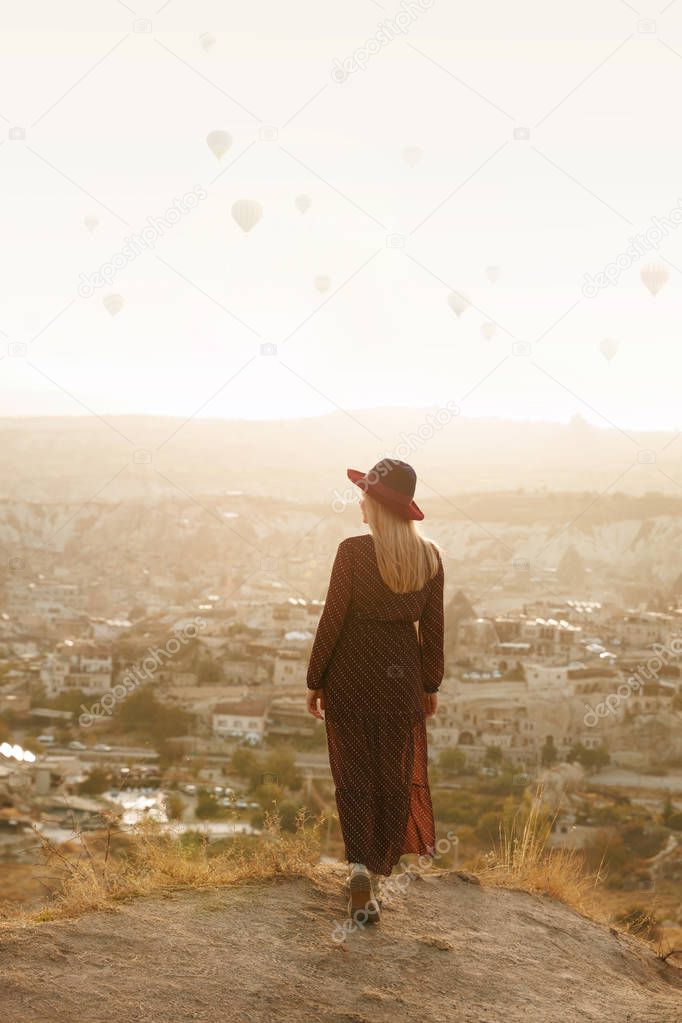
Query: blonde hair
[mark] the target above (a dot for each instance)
(406, 559)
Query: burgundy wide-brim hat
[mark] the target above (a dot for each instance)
(391, 482)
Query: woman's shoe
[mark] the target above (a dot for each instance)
(362, 906)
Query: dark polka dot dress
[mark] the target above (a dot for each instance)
(375, 666)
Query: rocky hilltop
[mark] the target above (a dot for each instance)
(446, 950)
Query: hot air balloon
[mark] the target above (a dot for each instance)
(219, 142)
(207, 41)
(488, 329)
(303, 203)
(247, 213)
(322, 284)
(608, 348)
(458, 302)
(654, 275)
(493, 273)
(90, 222)
(412, 155)
(113, 304)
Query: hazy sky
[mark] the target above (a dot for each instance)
(116, 102)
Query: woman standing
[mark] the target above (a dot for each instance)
(375, 668)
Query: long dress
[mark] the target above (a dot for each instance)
(375, 653)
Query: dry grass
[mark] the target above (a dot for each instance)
(153, 861)
(157, 862)
(522, 860)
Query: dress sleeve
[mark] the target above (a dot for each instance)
(333, 616)
(431, 625)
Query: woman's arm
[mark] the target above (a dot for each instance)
(431, 625)
(333, 615)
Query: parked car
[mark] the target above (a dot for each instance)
(101, 747)
(75, 744)
(46, 740)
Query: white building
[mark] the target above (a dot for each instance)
(243, 719)
(77, 664)
(289, 669)
(546, 678)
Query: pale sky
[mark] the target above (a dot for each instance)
(116, 121)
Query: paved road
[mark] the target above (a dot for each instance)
(620, 777)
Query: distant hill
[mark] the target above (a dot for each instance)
(506, 536)
(445, 950)
(74, 458)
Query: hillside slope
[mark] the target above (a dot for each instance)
(446, 950)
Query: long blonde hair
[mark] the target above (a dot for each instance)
(406, 559)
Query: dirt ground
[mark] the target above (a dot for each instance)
(445, 950)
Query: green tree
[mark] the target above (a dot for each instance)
(667, 811)
(493, 755)
(175, 806)
(591, 759)
(208, 672)
(548, 753)
(208, 807)
(488, 828)
(142, 712)
(280, 764)
(246, 763)
(70, 701)
(97, 781)
(268, 793)
(452, 760)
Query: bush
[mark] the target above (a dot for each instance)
(640, 922)
(96, 782)
(175, 806)
(452, 761)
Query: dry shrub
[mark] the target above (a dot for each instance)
(522, 860)
(155, 861)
